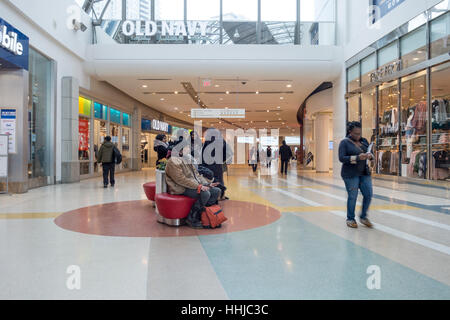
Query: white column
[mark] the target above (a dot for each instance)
(321, 128)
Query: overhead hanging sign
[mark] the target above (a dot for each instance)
(13, 46)
(8, 127)
(217, 113)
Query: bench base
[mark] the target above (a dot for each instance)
(170, 222)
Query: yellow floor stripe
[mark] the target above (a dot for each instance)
(30, 215)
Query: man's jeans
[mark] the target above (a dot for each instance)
(208, 198)
(363, 183)
(108, 170)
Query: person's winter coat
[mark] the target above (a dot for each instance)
(105, 154)
(285, 153)
(181, 174)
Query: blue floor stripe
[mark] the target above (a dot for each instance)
(294, 259)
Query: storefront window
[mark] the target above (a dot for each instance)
(368, 65)
(40, 116)
(387, 153)
(115, 115)
(353, 108)
(440, 35)
(115, 133)
(84, 144)
(126, 119)
(353, 78)
(84, 107)
(414, 126)
(125, 148)
(413, 47)
(440, 114)
(100, 132)
(368, 115)
(388, 54)
(100, 111)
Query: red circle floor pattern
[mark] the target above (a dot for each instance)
(138, 219)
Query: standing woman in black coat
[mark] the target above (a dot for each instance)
(160, 146)
(354, 155)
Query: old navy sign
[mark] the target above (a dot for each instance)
(166, 28)
(13, 46)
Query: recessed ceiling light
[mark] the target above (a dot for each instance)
(154, 93)
(228, 92)
(415, 59)
(176, 108)
(268, 110)
(220, 99)
(145, 86)
(289, 86)
(281, 98)
(217, 86)
(162, 99)
(278, 107)
(176, 92)
(257, 92)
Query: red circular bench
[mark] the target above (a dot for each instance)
(150, 190)
(173, 209)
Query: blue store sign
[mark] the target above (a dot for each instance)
(380, 8)
(14, 46)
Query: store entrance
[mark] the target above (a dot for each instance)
(148, 155)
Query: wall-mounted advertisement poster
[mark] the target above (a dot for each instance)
(8, 127)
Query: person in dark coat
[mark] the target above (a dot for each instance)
(269, 157)
(161, 147)
(216, 168)
(106, 158)
(286, 156)
(354, 155)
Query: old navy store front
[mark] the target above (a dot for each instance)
(27, 99)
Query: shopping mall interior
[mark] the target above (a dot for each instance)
(269, 77)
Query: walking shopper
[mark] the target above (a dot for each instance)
(354, 154)
(269, 157)
(285, 155)
(106, 158)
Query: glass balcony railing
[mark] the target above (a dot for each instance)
(214, 32)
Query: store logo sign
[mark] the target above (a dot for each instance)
(13, 46)
(386, 71)
(8, 40)
(160, 126)
(167, 28)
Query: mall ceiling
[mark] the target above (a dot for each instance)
(270, 82)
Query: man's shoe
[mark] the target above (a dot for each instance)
(194, 225)
(352, 224)
(105, 186)
(367, 223)
(112, 186)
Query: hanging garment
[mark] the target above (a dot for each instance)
(420, 118)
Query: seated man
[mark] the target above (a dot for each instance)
(182, 178)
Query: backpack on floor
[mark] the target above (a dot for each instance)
(213, 217)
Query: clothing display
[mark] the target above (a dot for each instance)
(419, 119)
(440, 114)
(388, 162)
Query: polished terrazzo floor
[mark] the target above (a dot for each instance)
(286, 238)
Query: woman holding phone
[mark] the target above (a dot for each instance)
(355, 153)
